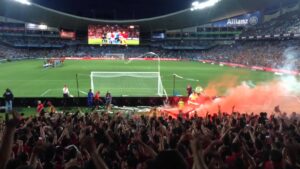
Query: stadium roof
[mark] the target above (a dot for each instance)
(38, 14)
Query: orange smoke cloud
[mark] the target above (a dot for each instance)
(260, 98)
(223, 83)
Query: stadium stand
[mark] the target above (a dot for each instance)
(251, 53)
(254, 53)
(77, 140)
(287, 23)
(102, 138)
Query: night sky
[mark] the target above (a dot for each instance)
(116, 9)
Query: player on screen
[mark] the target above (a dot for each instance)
(117, 37)
(91, 32)
(112, 38)
(124, 37)
(98, 33)
(108, 36)
(104, 40)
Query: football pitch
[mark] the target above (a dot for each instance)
(29, 78)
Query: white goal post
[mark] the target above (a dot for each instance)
(128, 83)
(121, 56)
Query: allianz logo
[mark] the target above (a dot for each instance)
(252, 21)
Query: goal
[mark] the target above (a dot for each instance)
(120, 56)
(127, 83)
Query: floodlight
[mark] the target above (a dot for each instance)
(24, 2)
(30, 25)
(42, 27)
(131, 27)
(201, 5)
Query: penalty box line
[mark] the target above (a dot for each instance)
(83, 92)
(47, 91)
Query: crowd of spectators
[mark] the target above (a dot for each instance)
(33, 41)
(153, 141)
(265, 53)
(284, 24)
(256, 53)
(183, 44)
(8, 52)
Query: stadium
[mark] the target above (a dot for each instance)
(210, 84)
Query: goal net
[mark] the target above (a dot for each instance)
(53, 62)
(128, 83)
(120, 56)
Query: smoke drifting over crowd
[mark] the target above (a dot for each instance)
(245, 97)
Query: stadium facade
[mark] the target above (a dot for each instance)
(35, 13)
(208, 35)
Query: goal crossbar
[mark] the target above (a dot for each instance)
(116, 76)
(116, 55)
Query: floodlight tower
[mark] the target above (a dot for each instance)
(202, 5)
(24, 2)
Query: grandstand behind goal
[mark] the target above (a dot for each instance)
(53, 62)
(120, 56)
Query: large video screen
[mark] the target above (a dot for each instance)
(113, 35)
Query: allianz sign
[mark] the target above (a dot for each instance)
(251, 21)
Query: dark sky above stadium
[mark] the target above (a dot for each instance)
(116, 9)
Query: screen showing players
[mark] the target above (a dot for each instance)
(113, 35)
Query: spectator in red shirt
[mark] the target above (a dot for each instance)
(97, 99)
(40, 108)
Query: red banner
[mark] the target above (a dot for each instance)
(291, 72)
(233, 64)
(257, 68)
(67, 35)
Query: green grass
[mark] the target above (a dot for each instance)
(30, 79)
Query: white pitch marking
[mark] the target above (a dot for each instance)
(47, 91)
(82, 92)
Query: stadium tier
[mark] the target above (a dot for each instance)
(214, 84)
(240, 52)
